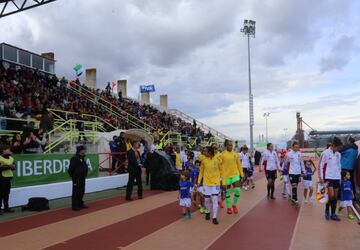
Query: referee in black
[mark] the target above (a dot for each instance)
(78, 170)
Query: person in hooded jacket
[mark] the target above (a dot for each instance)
(349, 155)
(78, 170)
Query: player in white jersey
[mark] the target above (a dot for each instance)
(245, 163)
(270, 162)
(330, 173)
(294, 162)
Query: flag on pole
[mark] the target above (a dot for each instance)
(79, 69)
(114, 87)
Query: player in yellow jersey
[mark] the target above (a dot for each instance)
(200, 190)
(210, 172)
(222, 188)
(233, 173)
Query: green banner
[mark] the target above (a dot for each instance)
(36, 169)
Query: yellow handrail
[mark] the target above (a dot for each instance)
(21, 120)
(121, 113)
(97, 118)
(55, 111)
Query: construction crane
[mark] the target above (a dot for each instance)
(9, 7)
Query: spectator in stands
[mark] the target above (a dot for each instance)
(43, 138)
(7, 165)
(32, 144)
(28, 129)
(80, 126)
(349, 154)
(47, 122)
(30, 92)
(120, 96)
(16, 145)
(13, 124)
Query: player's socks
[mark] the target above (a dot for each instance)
(215, 205)
(207, 204)
(236, 195)
(228, 198)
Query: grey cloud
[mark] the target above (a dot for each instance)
(291, 28)
(191, 50)
(331, 100)
(339, 55)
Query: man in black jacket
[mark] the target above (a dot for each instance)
(121, 148)
(134, 167)
(78, 170)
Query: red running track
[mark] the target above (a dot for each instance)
(37, 220)
(268, 226)
(125, 232)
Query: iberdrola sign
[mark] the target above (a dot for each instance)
(36, 169)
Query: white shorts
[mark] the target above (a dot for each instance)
(307, 184)
(344, 204)
(186, 202)
(200, 189)
(210, 190)
(286, 178)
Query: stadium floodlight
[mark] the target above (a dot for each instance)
(9, 7)
(266, 115)
(249, 30)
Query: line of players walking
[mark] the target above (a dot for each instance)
(215, 176)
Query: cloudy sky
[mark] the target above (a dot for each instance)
(305, 56)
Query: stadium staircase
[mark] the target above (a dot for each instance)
(64, 135)
(115, 111)
(220, 136)
(133, 122)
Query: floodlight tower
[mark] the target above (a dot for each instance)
(249, 31)
(266, 115)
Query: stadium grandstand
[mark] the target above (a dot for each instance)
(34, 99)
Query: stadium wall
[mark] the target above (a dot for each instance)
(19, 196)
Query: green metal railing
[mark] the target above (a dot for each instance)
(174, 138)
(68, 132)
(112, 109)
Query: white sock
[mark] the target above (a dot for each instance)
(207, 204)
(287, 189)
(215, 205)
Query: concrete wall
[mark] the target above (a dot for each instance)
(164, 101)
(49, 55)
(90, 78)
(19, 196)
(145, 98)
(122, 86)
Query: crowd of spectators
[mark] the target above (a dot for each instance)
(27, 93)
